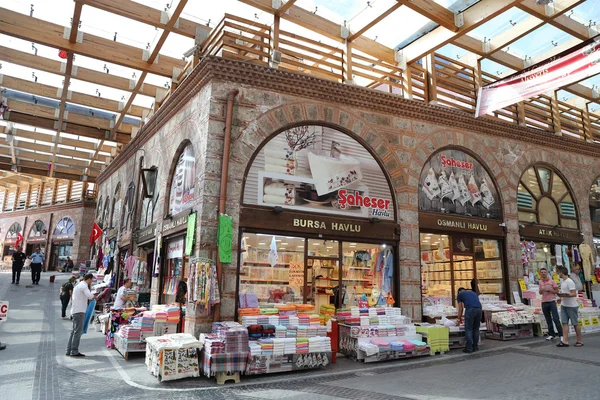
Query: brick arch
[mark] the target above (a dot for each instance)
(277, 120)
(443, 138)
(184, 143)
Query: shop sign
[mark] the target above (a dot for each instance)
(296, 275)
(317, 224)
(176, 222)
(111, 233)
(146, 234)
(522, 284)
(456, 223)
(175, 248)
(554, 235)
(454, 182)
(57, 238)
(3, 311)
(320, 170)
(462, 244)
(37, 239)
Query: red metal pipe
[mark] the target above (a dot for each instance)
(223, 190)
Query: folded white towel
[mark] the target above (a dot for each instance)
(332, 174)
(280, 189)
(280, 169)
(281, 162)
(284, 154)
(274, 199)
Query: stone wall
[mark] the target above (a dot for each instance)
(401, 133)
(81, 213)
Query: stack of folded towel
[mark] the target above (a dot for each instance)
(280, 193)
(302, 346)
(280, 160)
(289, 346)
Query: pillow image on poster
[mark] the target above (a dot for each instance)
(453, 181)
(182, 184)
(319, 169)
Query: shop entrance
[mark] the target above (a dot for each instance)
(60, 252)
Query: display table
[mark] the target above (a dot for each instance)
(506, 332)
(124, 347)
(351, 337)
(287, 362)
(436, 336)
(213, 364)
(172, 357)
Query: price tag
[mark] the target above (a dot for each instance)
(587, 322)
(555, 277)
(522, 284)
(595, 321)
(594, 280)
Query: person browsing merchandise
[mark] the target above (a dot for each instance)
(37, 259)
(468, 300)
(549, 290)
(568, 308)
(121, 297)
(79, 304)
(18, 260)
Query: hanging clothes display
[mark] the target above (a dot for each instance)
(203, 287)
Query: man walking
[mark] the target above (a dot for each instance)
(549, 290)
(37, 259)
(468, 300)
(79, 303)
(568, 308)
(18, 259)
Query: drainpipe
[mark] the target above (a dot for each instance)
(223, 191)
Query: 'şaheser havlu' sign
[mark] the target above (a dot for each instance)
(570, 66)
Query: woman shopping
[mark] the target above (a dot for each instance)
(66, 291)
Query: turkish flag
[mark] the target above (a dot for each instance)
(96, 233)
(19, 239)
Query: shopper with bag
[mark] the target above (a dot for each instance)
(66, 291)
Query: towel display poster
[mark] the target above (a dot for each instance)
(296, 277)
(319, 169)
(182, 183)
(454, 182)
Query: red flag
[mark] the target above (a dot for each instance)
(19, 239)
(96, 233)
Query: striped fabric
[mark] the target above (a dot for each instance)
(524, 200)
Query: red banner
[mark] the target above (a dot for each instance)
(570, 66)
(96, 233)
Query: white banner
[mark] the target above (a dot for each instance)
(573, 65)
(175, 249)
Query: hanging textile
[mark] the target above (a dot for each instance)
(225, 238)
(203, 287)
(190, 234)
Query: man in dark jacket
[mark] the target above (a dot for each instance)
(18, 259)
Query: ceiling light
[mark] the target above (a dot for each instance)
(284, 244)
(262, 243)
(300, 247)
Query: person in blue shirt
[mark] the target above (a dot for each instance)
(468, 300)
(37, 259)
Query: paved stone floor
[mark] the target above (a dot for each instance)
(34, 367)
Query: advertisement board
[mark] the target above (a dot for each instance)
(319, 169)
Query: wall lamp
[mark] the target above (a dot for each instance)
(149, 176)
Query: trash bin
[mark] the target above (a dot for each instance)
(52, 277)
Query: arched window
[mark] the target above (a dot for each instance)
(595, 201)
(65, 226)
(545, 199)
(181, 193)
(14, 230)
(148, 207)
(105, 212)
(128, 211)
(38, 229)
(99, 210)
(116, 208)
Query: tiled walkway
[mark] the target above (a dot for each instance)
(34, 367)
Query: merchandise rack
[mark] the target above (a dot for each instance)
(258, 365)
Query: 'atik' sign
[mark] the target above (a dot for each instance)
(3, 311)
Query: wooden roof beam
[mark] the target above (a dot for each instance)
(435, 12)
(80, 145)
(37, 30)
(146, 15)
(286, 6)
(53, 92)
(375, 21)
(83, 74)
(558, 19)
(68, 127)
(473, 17)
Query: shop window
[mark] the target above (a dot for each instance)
(115, 216)
(99, 211)
(126, 216)
(363, 271)
(14, 231)
(544, 198)
(38, 229)
(65, 226)
(595, 201)
(449, 262)
(181, 193)
(105, 212)
(176, 272)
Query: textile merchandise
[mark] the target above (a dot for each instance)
(175, 356)
(203, 288)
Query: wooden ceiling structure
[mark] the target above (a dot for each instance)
(54, 156)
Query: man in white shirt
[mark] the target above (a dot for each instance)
(568, 308)
(121, 297)
(79, 304)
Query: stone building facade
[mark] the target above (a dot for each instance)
(81, 213)
(401, 133)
